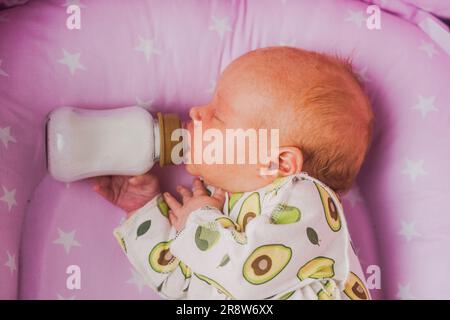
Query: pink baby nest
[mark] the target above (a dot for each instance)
(166, 56)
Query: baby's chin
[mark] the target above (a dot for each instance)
(196, 171)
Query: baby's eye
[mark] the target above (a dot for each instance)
(217, 118)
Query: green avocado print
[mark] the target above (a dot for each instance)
(160, 258)
(330, 209)
(227, 223)
(312, 236)
(239, 237)
(266, 262)
(286, 214)
(205, 238)
(329, 287)
(317, 268)
(276, 185)
(232, 199)
(286, 296)
(225, 260)
(123, 244)
(213, 283)
(355, 288)
(250, 209)
(323, 295)
(143, 228)
(185, 270)
(163, 207)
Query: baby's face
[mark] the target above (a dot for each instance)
(316, 104)
(235, 105)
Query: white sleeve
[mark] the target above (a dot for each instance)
(145, 237)
(290, 246)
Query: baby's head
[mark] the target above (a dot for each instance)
(314, 100)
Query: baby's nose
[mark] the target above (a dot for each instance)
(195, 114)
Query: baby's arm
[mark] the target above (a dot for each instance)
(288, 249)
(146, 234)
(145, 237)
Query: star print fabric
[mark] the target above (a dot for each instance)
(166, 57)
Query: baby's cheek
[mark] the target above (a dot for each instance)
(190, 168)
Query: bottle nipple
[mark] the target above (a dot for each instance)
(167, 123)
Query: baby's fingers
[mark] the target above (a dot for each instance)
(142, 179)
(101, 182)
(102, 186)
(172, 218)
(105, 192)
(185, 193)
(219, 194)
(171, 201)
(198, 188)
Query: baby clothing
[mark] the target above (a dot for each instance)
(287, 240)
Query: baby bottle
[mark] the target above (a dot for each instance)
(83, 143)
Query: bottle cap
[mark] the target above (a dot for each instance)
(167, 124)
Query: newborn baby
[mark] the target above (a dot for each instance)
(239, 234)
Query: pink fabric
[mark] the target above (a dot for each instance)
(11, 3)
(432, 26)
(396, 212)
(408, 8)
(438, 7)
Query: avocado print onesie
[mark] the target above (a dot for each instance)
(287, 240)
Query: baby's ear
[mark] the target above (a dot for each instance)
(290, 161)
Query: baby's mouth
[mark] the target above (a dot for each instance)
(188, 125)
(187, 141)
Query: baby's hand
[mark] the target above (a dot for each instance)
(127, 192)
(192, 201)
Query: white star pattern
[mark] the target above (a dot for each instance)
(220, 25)
(67, 240)
(147, 47)
(428, 48)
(414, 169)
(5, 136)
(356, 17)
(11, 262)
(353, 196)
(73, 2)
(137, 280)
(72, 61)
(9, 197)
(425, 105)
(408, 230)
(3, 72)
(60, 297)
(404, 292)
(146, 104)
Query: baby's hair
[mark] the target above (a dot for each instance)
(337, 101)
(334, 120)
